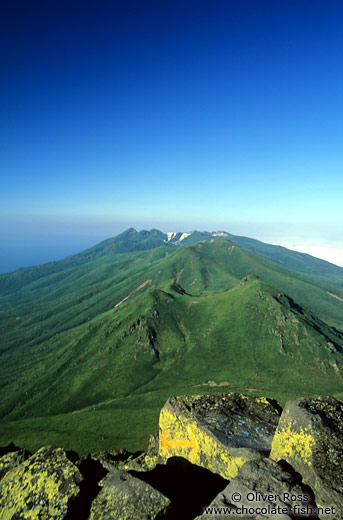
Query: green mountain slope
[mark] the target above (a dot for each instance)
(49, 303)
(301, 262)
(132, 241)
(118, 332)
(161, 338)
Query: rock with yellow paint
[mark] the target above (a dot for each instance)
(310, 438)
(125, 497)
(218, 432)
(40, 488)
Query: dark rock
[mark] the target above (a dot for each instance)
(145, 461)
(126, 497)
(218, 432)
(6, 449)
(40, 487)
(138, 324)
(264, 489)
(310, 438)
(248, 279)
(188, 486)
(92, 472)
(122, 459)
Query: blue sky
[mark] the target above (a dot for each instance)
(222, 114)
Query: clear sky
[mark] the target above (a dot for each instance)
(182, 114)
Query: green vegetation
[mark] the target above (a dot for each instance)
(93, 345)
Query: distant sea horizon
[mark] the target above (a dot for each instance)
(23, 251)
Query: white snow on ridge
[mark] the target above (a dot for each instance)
(171, 235)
(183, 236)
(219, 234)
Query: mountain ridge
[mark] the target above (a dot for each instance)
(132, 240)
(108, 334)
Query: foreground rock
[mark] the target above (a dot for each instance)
(223, 436)
(310, 438)
(125, 497)
(218, 432)
(122, 459)
(263, 489)
(115, 459)
(11, 460)
(40, 488)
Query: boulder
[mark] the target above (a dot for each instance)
(148, 460)
(113, 459)
(12, 459)
(122, 459)
(126, 497)
(310, 438)
(263, 489)
(218, 432)
(40, 487)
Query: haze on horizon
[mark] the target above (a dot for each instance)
(178, 115)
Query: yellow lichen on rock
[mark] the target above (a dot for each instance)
(40, 487)
(150, 462)
(290, 443)
(209, 452)
(309, 437)
(124, 497)
(262, 400)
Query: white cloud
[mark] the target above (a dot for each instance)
(329, 251)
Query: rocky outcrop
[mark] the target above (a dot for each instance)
(11, 458)
(263, 489)
(218, 432)
(119, 459)
(126, 497)
(122, 459)
(310, 438)
(276, 466)
(40, 488)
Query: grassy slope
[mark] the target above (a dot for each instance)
(301, 262)
(111, 369)
(224, 346)
(132, 241)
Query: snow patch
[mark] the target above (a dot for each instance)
(183, 236)
(171, 235)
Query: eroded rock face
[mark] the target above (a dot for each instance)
(40, 487)
(261, 486)
(126, 497)
(310, 438)
(218, 432)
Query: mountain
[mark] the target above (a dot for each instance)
(132, 240)
(97, 342)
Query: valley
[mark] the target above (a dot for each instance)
(93, 345)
